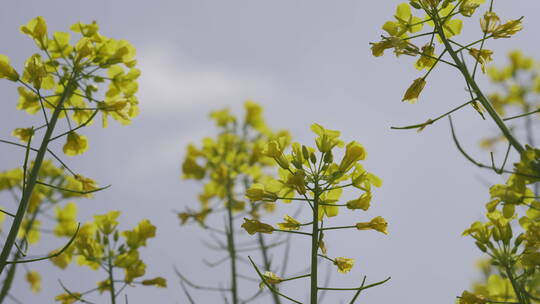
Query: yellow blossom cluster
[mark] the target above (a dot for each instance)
(101, 245)
(56, 186)
(66, 77)
(232, 160)
(511, 236)
(444, 23)
(316, 178)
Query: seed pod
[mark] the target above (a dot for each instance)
(305, 152)
(328, 157)
(313, 158)
(481, 246)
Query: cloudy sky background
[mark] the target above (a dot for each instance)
(304, 61)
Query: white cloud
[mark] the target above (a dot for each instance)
(171, 82)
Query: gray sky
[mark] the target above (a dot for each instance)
(305, 62)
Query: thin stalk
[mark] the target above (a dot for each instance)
(515, 286)
(480, 95)
(111, 280)
(266, 262)
(314, 245)
(11, 272)
(29, 187)
(231, 246)
(8, 281)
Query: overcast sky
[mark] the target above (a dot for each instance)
(304, 61)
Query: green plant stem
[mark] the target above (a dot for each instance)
(31, 182)
(8, 282)
(266, 261)
(515, 286)
(111, 280)
(231, 246)
(479, 94)
(314, 245)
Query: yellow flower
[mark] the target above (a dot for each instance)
(138, 236)
(490, 22)
(24, 134)
(254, 226)
(254, 116)
(67, 298)
(378, 224)
(64, 259)
(35, 72)
(451, 27)
(67, 220)
(482, 56)
(479, 231)
(297, 181)
(344, 264)
(508, 29)
(353, 153)
(158, 282)
(405, 22)
(363, 202)
(362, 179)
(104, 286)
(273, 149)
(259, 192)
(10, 178)
(270, 278)
(329, 198)
(6, 70)
(34, 279)
(37, 29)
(412, 93)
(427, 59)
(107, 223)
(326, 139)
(468, 7)
(31, 233)
(289, 224)
(192, 169)
(87, 184)
(470, 298)
(135, 270)
(87, 30)
(75, 144)
(28, 101)
(59, 46)
(126, 259)
(519, 61)
(222, 117)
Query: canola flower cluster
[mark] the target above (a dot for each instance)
(311, 177)
(100, 245)
(63, 81)
(232, 160)
(511, 236)
(228, 165)
(43, 199)
(517, 94)
(66, 77)
(443, 19)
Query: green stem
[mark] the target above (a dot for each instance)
(8, 282)
(480, 95)
(314, 245)
(111, 280)
(515, 286)
(266, 261)
(230, 242)
(29, 187)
